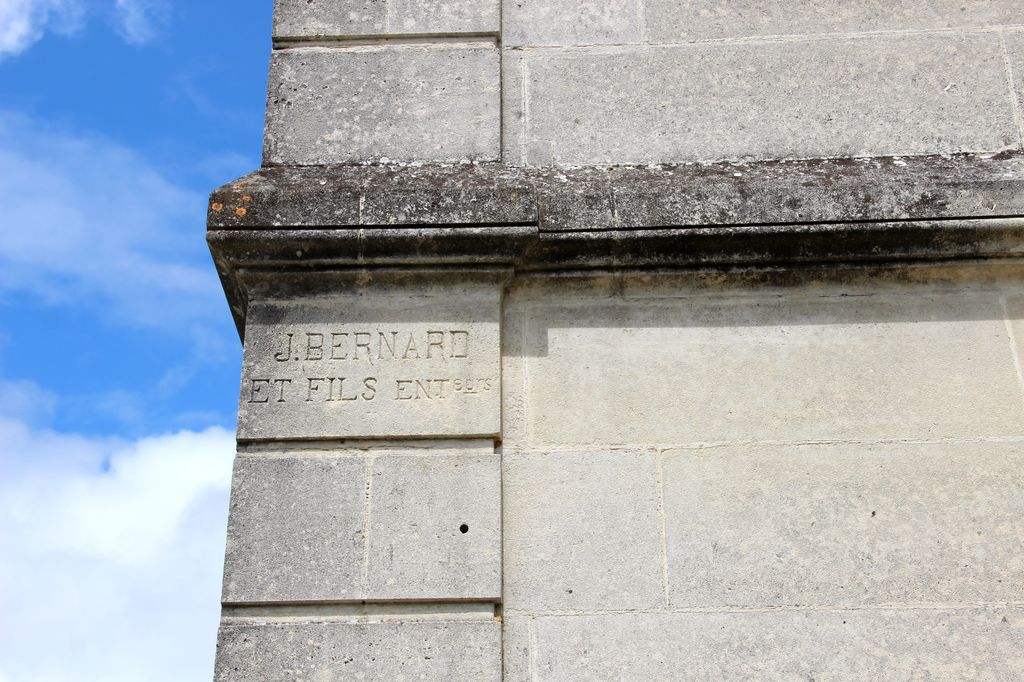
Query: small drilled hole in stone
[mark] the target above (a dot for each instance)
(463, 529)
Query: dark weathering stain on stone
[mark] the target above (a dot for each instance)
(624, 197)
(689, 216)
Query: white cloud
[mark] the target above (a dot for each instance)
(23, 22)
(137, 20)
(25, 401)
(87, 221)
(110, 554)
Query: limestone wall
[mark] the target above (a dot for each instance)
(541, 82)
(640, 419)
(706, 475)
(726, 481)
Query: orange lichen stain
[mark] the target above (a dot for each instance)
(241, 212)
(217, 207)
(247, 198)
(498, 618)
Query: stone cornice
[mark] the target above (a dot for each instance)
(721, 215)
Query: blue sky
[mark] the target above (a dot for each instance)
(119, 362)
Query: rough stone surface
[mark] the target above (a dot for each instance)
(381, 363)
(671, 20)
(420, 507)
(296, 530)
(586, 199)
(867, 362)
(354, 18)
(1014, 42)
(878, 96)
(409, 103)
(828, 190)
(581, 531)
(343, 526)
(332, 652)
(329, 17)
(356, 195)
(444, 16)
(845, 524)
(581, 22)
(914, 644)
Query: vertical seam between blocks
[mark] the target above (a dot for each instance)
(501, 81)
(367, 511)
(500, 452)
(531, 652)
(1015, 104)
(524, 133)
(524, 369)
(1008, 321)
(501, 102)
(500, 608)
(662, 531)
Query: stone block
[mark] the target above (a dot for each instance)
(354, 18)
(581, 22)
(403, 103)
(343, 527)
(296, 529)
(331, 652)
(913, 644)
(435, 527)
(846, 524)
(581, 531)
(444, 16)
(872, 96)
(402, 365)
(310, 18)
(672, 21)
(855, 363)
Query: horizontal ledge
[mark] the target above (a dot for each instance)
(253, 445)
(624, 197)
(360, 611)
(281, 262)
(757, 214)
(527, 249)
(365, 447)
(387, 40)
(771, 38)
(799, 608)
(699, 448)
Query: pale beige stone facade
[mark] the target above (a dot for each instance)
(720, 481)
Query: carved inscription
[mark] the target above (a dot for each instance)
(340, 353)
(375, 346)
(369, 366)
